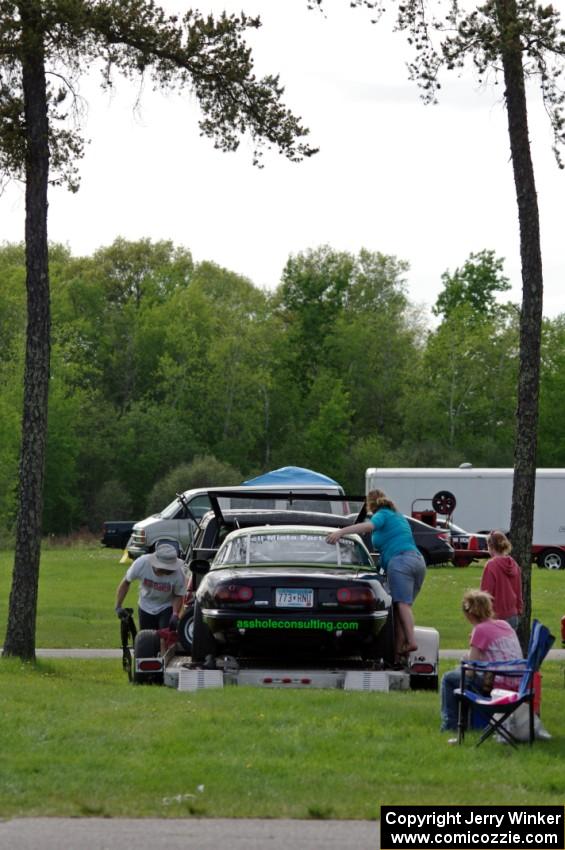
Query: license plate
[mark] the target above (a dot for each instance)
(294, 597)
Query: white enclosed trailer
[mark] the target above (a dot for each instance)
(483, 500)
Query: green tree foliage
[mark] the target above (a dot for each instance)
(348, 315)
(203, 471)
(215, 376)
(475, 285)
(376, 344)
(112, 502)
(12, 329)
(552, 394)
(312, 294)
(326, 433)
(463, 397)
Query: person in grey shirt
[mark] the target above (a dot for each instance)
(162, 588)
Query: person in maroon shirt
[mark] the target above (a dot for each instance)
(502, 579)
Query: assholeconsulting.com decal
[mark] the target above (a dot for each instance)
(473, 827)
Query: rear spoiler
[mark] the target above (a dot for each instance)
(289, 495)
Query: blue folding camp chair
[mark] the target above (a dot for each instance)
(496, 708)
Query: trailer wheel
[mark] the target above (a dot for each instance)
(203, 643)
(186, 630)
(552, 559)
(147, 645)
(444, 502)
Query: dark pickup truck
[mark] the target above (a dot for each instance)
(116, 534)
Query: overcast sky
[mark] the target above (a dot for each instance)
(429, 184)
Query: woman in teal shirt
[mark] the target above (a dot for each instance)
(405, 567)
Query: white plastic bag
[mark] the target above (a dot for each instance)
(518, 725)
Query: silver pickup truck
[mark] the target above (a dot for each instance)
(176, 522)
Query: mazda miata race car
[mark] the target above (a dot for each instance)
(285, 590)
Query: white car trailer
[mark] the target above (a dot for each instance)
(177, 671)
(483, 499)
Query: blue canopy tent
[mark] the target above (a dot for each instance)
(290, 476)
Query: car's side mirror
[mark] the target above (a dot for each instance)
(199, 567)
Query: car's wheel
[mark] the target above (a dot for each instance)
(203, 643)
(185, 630)
(444, 502)
(552, 559)
(146, 645)
(462, 560)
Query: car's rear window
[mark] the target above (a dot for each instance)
(291, 548)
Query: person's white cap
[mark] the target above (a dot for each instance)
(165, 557)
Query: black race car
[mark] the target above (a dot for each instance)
(216, 524)
(285, 590)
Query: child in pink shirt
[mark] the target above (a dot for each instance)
(491, 640)
(502, 579)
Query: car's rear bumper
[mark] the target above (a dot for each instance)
(287, 623)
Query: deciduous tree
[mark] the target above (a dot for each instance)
(474, 285)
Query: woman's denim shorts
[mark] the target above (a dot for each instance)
(405, 574)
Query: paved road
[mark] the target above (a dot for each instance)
(553, 655)
(190, 834)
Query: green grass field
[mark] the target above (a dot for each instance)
(84, 742)
(77, 589)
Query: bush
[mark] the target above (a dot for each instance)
(204, 471)
(112, 502)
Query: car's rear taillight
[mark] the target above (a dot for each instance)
(234, 593)
(473, 542)
(150, 665)
(356, 596)
(422, 668)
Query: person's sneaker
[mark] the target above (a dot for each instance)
(453, 740)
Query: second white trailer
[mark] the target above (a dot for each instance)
(483, 500)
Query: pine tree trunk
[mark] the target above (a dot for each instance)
(525, 451)
(20, 635)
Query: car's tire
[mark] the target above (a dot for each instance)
(552, 559)
(383, 645)
(462, 560)
(444, 502)
(147, 644)
(185, 630)
(203, 643)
